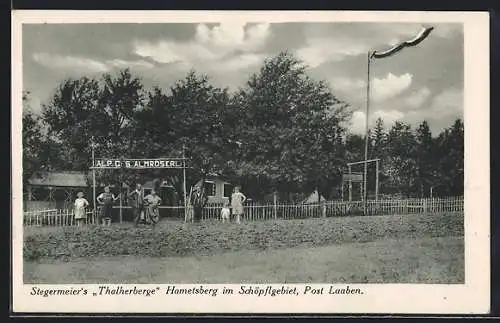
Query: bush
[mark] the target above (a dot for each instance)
(178, 239)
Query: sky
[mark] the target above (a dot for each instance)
(423, 82)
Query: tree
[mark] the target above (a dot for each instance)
(32, 142)
(378, 139)
(399, 162)
(193, 115)
(72, 117)
(354, 148)
(425, 159)
(121, 97)
(450, 148)
(82, 110)
(39, 153)
(198, 110)
(378, 149)
(290, 130)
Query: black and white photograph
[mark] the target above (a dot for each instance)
(272, 162)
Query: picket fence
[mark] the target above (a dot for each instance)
(256, 212)
(55, 218)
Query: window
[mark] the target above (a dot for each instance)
(228, 190)
(210, 188)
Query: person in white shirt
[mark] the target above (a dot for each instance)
(225, 213)
(80, 205)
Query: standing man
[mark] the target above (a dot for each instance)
(199, 200)
(137, 203)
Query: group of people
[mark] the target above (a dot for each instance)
(139, 203)
(107, 199)
(199, 199)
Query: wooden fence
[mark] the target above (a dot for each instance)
(256, 212)
(55, 218)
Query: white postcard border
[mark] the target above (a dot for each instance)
(472, 297)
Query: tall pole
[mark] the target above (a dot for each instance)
(121, 192)
(93, 177)
(366, 131)
(377, 181)
(184, 181)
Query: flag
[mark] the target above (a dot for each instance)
(408, 43)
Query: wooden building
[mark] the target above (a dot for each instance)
(57, 190)
(218, 189)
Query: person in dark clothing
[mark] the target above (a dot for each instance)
(137, 203)
(198, 200)
(106, 199)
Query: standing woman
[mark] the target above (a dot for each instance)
(237, 200)
(106, 199)
(80, 204)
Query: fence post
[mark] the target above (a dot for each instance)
(275, 208)
(425, 205)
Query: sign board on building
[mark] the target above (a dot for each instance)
(138, 163)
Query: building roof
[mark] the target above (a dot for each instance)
(60, 179)
(212, 177)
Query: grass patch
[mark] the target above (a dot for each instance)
(428, 260)
(175, 239)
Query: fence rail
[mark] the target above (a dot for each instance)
(258, 212)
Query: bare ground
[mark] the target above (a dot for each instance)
(423, 260)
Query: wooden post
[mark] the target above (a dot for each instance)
(350, 184)
(342, 187)
(275, 206)
(184, 182)
(121, 204)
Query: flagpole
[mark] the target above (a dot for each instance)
(366, 132)
(377, 54)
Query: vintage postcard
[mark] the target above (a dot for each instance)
(250, 162)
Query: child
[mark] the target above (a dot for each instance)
(80, 205)
(237, 200)
(225, 212)
(106, 199)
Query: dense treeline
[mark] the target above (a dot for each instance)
(281, 131)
